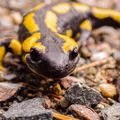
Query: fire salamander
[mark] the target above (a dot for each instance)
(47, 36)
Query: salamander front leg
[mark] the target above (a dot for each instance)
(85, 28)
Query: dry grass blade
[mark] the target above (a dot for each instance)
(62, 117)
(93, 64)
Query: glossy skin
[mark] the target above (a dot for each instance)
(54, 63)
(47, 35)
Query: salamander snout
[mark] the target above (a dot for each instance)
(52, 64)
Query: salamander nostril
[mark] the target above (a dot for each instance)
(35, 55)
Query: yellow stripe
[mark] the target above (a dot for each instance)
(39, 46)
(28, 43)
(16, 47)
(38, 7)
(86, 25)
(69, 32)
(2, 53)
(30, 23)
(69, 43)
(24, 58)
(105, 13)
(51, 21)
(80, 7)
(61, 8)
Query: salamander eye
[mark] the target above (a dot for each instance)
(34, 54)
(74, 53)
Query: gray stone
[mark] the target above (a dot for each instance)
(32, 109)
(112, 112)
(116, 55)
(82, 94)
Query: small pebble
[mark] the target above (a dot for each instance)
(108, 90)
(14, 4)
(83, 112)
(116, 55)
(100, 106)
(70, 80)
(17, 17)
(3, 11)
(85, 52)
(10, 76)
(99, 56)
(92, 71)
(64, 103)
(82, 61)
(6, 22)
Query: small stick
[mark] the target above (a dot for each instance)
(93, 64)
(62, 117)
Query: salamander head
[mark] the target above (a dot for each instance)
(54, 62)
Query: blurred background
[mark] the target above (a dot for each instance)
(11, 11)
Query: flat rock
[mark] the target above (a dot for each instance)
(82, 94)
(112, 112)
(32, 109)
(8, 90)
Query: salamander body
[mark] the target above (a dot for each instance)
(47, 36)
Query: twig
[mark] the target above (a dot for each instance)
(62, 117)
(93, 64)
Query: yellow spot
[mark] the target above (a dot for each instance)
(116, 16)
(39, 46)
(28, 43)
(1, 67)
(38, 7)
(80, 8)
(2, 53)
(57, 89)
(77, 36)
(61, 8)
(30, 23)
(51, 21)
(101, 13)
(105, 13)
(16, 47)
(24, 58)
(69, 43)
(86, 25)
(69, 32)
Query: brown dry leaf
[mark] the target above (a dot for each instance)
(62, 117)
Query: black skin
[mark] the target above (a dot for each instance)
(54, 63)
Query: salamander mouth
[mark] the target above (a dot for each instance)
(42, 69)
